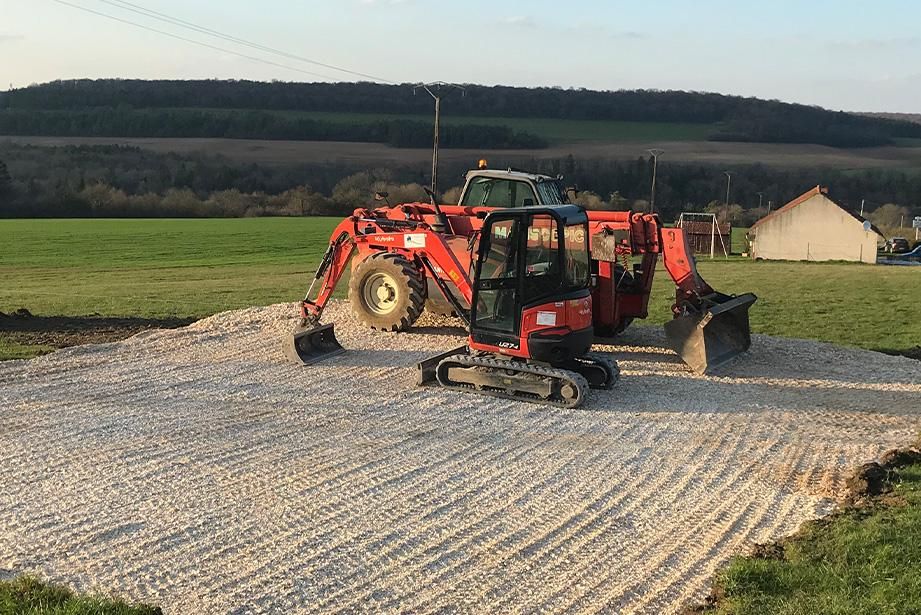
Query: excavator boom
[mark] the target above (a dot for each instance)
(310, 341)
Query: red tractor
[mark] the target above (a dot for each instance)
(527, 306)
(390, 286)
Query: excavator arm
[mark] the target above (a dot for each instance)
(708, 328)
(680, 264)
(331, 269)
(312, 341)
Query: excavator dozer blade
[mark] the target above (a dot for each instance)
(308, 345)
(708, 341)
(425, 369)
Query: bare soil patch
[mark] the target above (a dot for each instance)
(26, 328)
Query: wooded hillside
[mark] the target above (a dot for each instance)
(733, 118)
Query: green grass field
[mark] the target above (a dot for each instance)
(160, 268)
(553, 130)
(862, 561)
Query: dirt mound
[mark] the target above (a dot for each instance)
(196, 469)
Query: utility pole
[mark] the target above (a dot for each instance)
(655, 153)
(862, 202)
(728, 185)
(434, 89)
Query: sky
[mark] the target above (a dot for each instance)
(845, 54)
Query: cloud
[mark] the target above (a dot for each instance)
(10, 38)
(876, 44)
(605, 32)
(629, 34)
(519, 21)
(579, 29)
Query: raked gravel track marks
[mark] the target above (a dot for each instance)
(195, 469)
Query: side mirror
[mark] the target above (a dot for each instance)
(527, 203)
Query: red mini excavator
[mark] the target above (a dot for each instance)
(528, 306)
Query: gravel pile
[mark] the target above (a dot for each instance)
(195, 469)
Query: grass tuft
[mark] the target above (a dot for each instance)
(28, 595)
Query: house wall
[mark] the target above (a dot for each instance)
(815, 230)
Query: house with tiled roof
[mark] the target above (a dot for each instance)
(812, 227)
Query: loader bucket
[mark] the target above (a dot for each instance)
(313, 343)
(712, 339)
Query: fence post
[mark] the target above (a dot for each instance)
(713, 238)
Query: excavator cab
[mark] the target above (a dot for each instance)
(530, 319)
(531, 259)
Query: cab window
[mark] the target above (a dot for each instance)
(496, 305)
(551, 193)
(500, 193)
(542, 258)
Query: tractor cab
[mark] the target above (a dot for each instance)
(512, 189)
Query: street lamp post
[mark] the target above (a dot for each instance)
(760, 199)
(655, 153)
(728, 185)
(434, 89)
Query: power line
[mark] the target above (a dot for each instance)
(193, 41)
(150, 13)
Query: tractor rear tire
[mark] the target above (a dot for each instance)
(387, 292)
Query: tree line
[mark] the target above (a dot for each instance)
(192, 123)
(734, 118)
(78, 181)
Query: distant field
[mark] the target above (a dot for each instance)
(283, 153)
(159, 268)
(554, 130)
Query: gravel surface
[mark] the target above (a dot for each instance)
(195, 469)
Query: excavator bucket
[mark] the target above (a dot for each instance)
(713, 338)
(310, 344)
